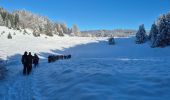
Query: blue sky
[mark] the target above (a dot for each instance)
(95, 14)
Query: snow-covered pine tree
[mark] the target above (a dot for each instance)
(153, 34)
(2, 32)
(75, 30)
(9, 24)
(167, 22)
(16, 20)
(36, 33)
(48, 29)
(7, 18)
(25, 31)
(9, 36)
(64, 28)
(56, 28)
(162, 37)
(141, 36)
(11, 21)
(40, 29)
(1, 21)
(3, 14)
(55, 31)
(61, 34)
(60, 30)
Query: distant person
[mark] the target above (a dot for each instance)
(30, 61)
(69, 56)
(24, 61)
(35, 60)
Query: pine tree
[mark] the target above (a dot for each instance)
(16, 20)
(9, 24)
(153, 35)
(6, 22)
(40, 29)
(36, 33)
(75, 30)
(48, 29)
(64, 28)
(56, 28)
(141, 36)
(1, 21)
(4, 15)
(161, 40)
(9, 36)
(55, 31)
(60, 30)
(11, 21)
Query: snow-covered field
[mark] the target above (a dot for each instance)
(97, 71)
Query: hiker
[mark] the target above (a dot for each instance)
(30, 61)
(24, 61)
(35, 60)
(51, 58)
(61, 56)
(65, 57)
(69, 56)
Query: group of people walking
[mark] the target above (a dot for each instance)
(53, 58)
(28, 60)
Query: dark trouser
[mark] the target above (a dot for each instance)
(25, 69)
(35, 64)
(29, 68)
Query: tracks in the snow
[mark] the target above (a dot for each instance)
(19, 87)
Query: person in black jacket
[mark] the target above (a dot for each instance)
(30, 61)
(35, 60)
(24, 61)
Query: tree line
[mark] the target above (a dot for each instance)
(159, 35)
(22, 19)
(9, 20)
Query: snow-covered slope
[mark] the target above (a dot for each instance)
(97, 71)
(20, 42)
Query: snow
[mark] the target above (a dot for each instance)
(21, 43)
(96, 71)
